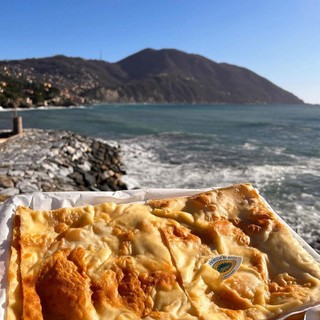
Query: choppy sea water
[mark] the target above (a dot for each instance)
(276, 148)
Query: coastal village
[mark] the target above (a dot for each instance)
(21, 87)
(63, 160)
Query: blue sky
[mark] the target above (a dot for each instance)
(278, 39)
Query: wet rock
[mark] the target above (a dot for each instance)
(46, 186)
(70, 150)
(90, 179)
(16, 173)
(105, 187)
(6, 182)
(85, 166)
(27, 187)
(77, 155)
(10, 192)
(62, 171)
(51, 175)
(57, 161)
(67, 188)
(77, 177)
(47, 160)
(29, 172)
(52, 167)
(54, 152)
(106, 174)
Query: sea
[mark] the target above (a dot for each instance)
(274, 147)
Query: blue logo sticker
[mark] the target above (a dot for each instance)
(225, 265)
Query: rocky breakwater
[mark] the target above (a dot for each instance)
(48, 160)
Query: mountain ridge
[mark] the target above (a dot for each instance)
(147, 76)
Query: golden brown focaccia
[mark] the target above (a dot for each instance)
(14, 295)
(151, 261)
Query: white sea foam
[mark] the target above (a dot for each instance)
(145, 166)
(249, 146)
(143, 159)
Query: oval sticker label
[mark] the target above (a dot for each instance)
(225, 265)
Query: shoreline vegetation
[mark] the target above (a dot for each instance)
(50, 160)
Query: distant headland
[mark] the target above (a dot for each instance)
(149, 76)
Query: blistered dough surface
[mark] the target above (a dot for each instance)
(148, 261)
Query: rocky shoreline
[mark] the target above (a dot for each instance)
(49, 160)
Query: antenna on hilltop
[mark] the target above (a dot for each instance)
(100, 54)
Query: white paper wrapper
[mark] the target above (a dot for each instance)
(55, 200)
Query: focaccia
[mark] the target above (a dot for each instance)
(152, 261)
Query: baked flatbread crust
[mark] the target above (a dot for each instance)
(149, 261)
